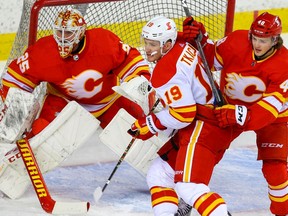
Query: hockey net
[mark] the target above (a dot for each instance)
(125, 18)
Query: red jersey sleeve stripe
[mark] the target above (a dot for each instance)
(129, 65)
(186, 114)
(268, 107)
(21, 78)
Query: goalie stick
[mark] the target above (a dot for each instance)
(216, 91)
(48, 204)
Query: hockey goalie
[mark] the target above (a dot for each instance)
(80, 68)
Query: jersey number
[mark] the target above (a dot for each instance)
(23, 63)
(173, 93)
(284, 85)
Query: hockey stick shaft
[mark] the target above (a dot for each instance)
(119, 162)
(35, 175)
(47, 203)
(217, 93)
(99, 191)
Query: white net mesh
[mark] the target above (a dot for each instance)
(124, 18)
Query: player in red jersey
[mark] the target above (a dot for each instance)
(77, 65)
(254, 81)
(90, 63)
(185, 163)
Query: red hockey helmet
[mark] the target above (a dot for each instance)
(266, 25)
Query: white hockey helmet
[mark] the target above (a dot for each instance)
(160, 29)
(69, 28)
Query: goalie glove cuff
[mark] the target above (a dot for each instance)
(241, 114)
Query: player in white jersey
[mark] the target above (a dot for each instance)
(185, 163)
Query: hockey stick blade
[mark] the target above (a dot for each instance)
(99, 191)
(97, 194)
(71, 208)
(48, 204)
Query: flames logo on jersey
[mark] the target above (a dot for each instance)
(248, 88)
(84, 85)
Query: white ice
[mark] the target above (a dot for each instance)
(237, 178)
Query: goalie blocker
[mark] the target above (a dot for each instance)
(17, 114)
(67, 132)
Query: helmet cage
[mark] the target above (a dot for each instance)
(66, 39)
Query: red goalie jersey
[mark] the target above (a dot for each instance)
(86, 77)
(260, 85)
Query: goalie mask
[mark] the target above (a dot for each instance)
(69, 28)
(160, 29)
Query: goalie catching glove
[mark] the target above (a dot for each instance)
(230, 115)
(139, 91)
(145, 127)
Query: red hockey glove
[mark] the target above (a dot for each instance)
(229, 115)
(145, 127)
(191, 30)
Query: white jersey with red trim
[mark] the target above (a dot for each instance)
(180, 81)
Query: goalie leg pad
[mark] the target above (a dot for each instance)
(67, 132)
(115, 136)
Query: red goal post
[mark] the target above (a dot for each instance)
(123, 17)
